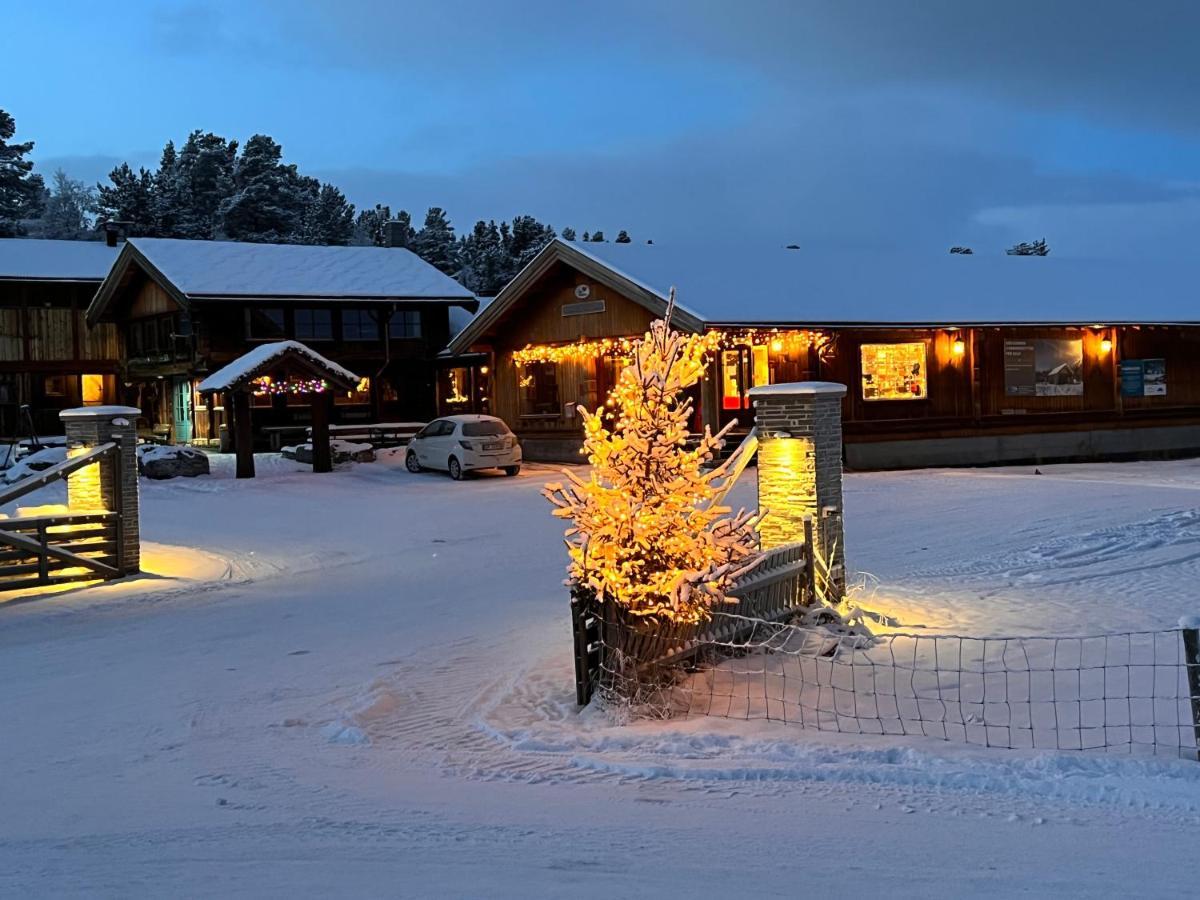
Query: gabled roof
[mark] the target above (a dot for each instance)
(573, 255)
(33, 259)
(757, 285)
(267, 358)
(229, 270)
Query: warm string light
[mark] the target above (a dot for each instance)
(791, 341)
(266, 386)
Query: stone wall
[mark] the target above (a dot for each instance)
(111, 484)
(800, 467)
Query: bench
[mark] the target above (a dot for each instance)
(378, 434)
(277, 433)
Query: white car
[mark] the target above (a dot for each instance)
(461, 444)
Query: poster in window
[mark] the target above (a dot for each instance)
(1045, 367)
(894, 371)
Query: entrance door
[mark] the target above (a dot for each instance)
(741, 369)
(181, 404)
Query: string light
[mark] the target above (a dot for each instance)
(265, 386)
(790, 341)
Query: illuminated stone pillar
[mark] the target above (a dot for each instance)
(112, 483)
(800, 468)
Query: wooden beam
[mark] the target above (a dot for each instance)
(39, 549)
(58, 470)
(322, 457)
(243, 438)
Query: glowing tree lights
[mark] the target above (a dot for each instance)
(646, 533)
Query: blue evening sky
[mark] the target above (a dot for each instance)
(867, 123)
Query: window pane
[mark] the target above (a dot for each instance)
(731, 379)
(264, 323)
(539, 389)
(92, 389)
(406, 323)
(359, 325)
(894, 371)
(484, 429)
(314, 324)
(360, 394)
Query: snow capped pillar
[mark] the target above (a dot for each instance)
(800, 469)
(112, 483)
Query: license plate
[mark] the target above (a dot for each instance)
(493, 446)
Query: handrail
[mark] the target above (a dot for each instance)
(736, 465)
(59, 470)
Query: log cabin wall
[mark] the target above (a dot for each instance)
(47, 351)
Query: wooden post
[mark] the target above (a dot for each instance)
(1191, 655)
(322, 458)
(243, 440)
(810, 560)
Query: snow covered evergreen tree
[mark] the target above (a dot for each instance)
(328, 218)
(167, 200)
(624, 238)
(69, 206)
(586, 237)
(484, 264)
(435, 242)
(597, 237)
(568, 233)
(529, 236)
(368, 227)
(128, 197)
(205, 180)
(22, 192)
(269, 199)
(1029, 248)
(645, 530)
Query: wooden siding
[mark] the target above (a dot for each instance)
(151, 300)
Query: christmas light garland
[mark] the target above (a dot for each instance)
(265, 386)
(788, 340)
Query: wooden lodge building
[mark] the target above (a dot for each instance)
(50, 360)
(183, 309)
(949, 359)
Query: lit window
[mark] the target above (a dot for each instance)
(360, 394)
(406, 323)
(264, 324)
(314, 324)
(455, 387)
(762, 365)
(539, 389)
(92, 390)
(359, 325)
(894, 371)
(731, 379)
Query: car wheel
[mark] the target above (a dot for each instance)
(455, 469)
(510, 471)
(412, 463)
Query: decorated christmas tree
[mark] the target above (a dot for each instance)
(648, 531)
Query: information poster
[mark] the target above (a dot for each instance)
(1044, 368)
(894, 371)
(1143, 377)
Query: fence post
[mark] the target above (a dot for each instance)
(583, 674)
(1190, 628)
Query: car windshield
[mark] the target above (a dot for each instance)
(484, 429)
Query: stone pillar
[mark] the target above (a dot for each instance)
(96, 487)
(800, 468)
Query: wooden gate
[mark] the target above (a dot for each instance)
(73, 546)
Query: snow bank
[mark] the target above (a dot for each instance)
(35, 462)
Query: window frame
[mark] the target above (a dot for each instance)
(923, 377)
(311, 313)
(407, 330)
(267, 310)
(532, 400)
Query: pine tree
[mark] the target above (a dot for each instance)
(624, 238)
(368, 228)
(597, 237)
(328, 218)
(205, 180)
(484, 264)
(68, 210)
(645, 531)
(22, 193)
(586, 237)
(1029, 248)
(529, 236)
(128, 198)
(435, 243)
(167, 200)
(568, 233)
(269, 198)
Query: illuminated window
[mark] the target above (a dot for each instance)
(762, 365)
(454, 387)
(92, 389)
(539, 389)
(731, 379)
(894, 371)
(360, 394)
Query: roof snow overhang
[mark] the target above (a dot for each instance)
(265, 359)
(560, 251)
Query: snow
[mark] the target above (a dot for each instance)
(821, 286)
(34, 259)
(87, 412)
(34, 462)
(255, 362)
(361, 684)
(797, 387)
(155, 452)
(228, 268)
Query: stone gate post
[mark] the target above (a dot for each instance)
(800, 468)
(112, 484)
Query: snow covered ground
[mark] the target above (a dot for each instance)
(359, 684)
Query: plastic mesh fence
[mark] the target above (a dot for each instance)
(1114, 692)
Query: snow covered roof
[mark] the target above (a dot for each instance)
(234, 269)
(32, 259)
(266, 357)
(728, 284)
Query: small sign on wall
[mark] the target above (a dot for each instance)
(1143, 378)
(587, 308)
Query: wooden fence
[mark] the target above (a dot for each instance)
(611, 645)
(63, 547)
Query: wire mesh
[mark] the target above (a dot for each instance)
(1125, 692)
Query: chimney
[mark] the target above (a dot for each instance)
(114, 232)
(394, 234)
